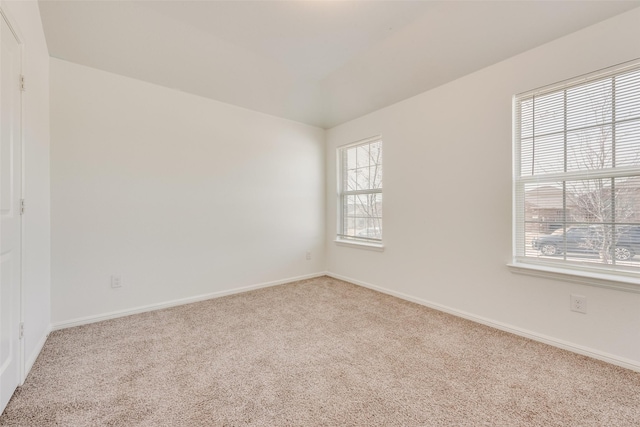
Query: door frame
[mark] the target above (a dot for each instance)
(12, 24)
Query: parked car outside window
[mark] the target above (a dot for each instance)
(589, 239)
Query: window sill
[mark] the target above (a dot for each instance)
(361, 245)
(602, 280)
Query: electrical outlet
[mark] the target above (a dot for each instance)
(578, 303)
(308, 256)
(116, 281)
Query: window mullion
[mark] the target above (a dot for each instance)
(620, 172)
(613, 165)
(564, 182)
(358, 192)
(533, 137)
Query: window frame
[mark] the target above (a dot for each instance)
(589, 274)
(341, 238)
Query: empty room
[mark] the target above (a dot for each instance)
(305, 213)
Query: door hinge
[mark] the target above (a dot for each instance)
(23, 86)
(21, 330)
(22, 206)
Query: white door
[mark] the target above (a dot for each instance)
(10, 211)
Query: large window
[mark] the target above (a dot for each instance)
(577, 173)
(360, 192)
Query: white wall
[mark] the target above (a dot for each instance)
(447, 152)
(181, 195)
(36, 240)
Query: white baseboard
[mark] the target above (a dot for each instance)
(28, 363)
(565, 345)
(158, 306)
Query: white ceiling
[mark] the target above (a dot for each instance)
(317, 62)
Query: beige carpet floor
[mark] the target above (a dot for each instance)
(319, 352)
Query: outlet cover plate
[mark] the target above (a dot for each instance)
(578, 303)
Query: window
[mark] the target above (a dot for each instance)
(577, 174)
(360, 192)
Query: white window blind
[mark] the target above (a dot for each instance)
(360, 191)
(577, 173)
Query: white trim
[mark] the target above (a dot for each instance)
(361, 245)
(13, 27)
(32, 359)
(23, 195)
(158, 306)
(361, 142)
(515, 172)
(543, 178)
(602, 280)
(565, 345)
(359, 192)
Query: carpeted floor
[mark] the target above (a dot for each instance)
(319, 352)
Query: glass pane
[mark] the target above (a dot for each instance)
(589, 201)
(526, 157)
(350, 228)
(376, 176)
(627, 200)
(544, 215)
(626, 248)
(548, 154)
(352, 180)
(363, 170)
(362, 156)
(589, 104)
(376, 207)
(362, 206)
(544, 211)
(351, 205)
(526, 118)
(351, 158)
(377, 224)
(549, 113)
(375, 153)
(628, 143)
(589, 149)
(628, 95)
(589, 234)
(368, 214)
(362, 179)
(370, 229)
